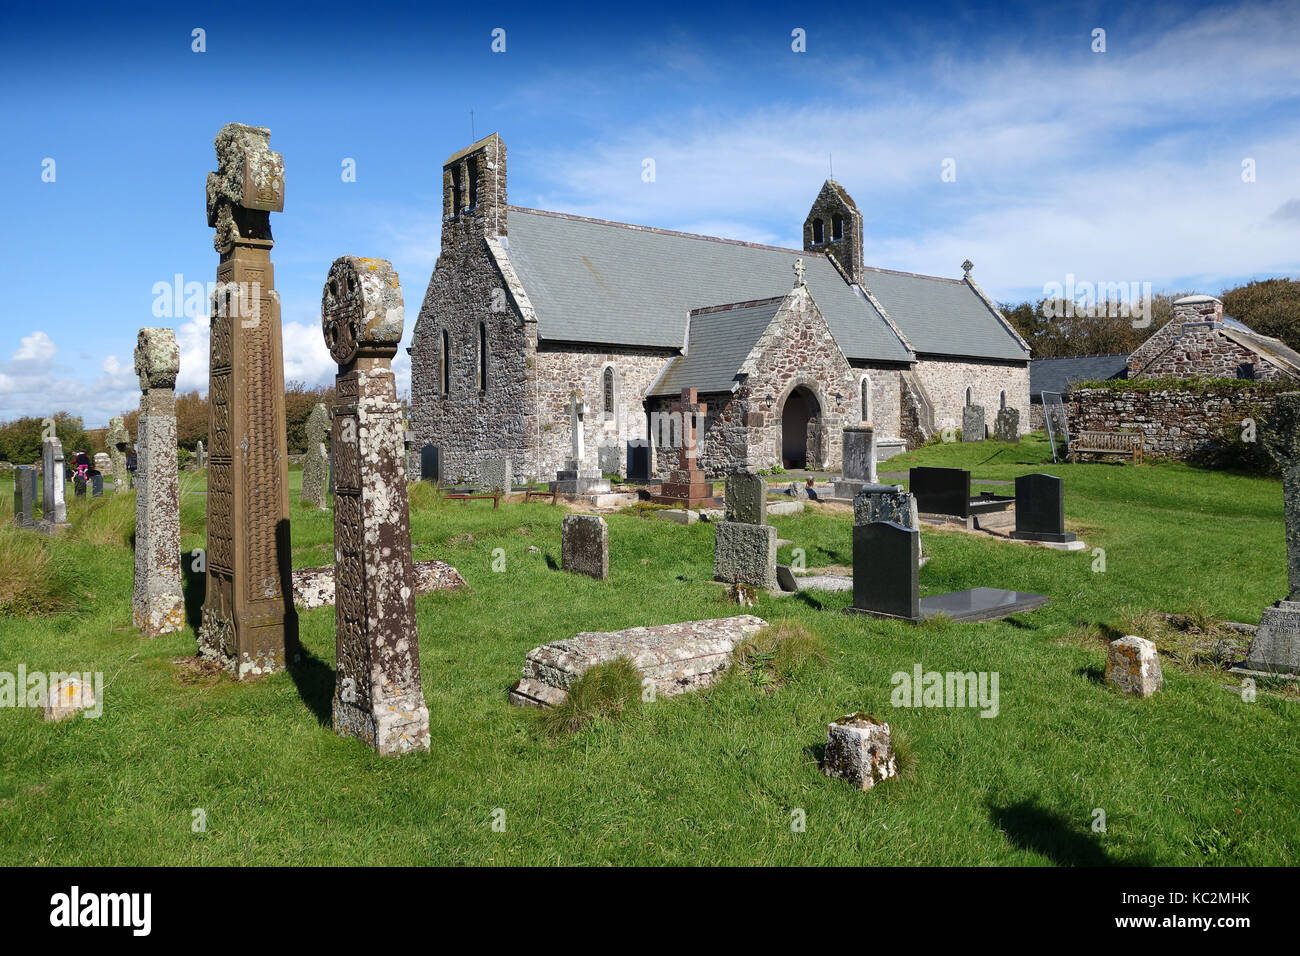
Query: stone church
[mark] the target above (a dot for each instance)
(528, 308)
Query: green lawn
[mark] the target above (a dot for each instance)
(1192, 776)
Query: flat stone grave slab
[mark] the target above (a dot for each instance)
(673, 658)
(981, 604)
(314, 587)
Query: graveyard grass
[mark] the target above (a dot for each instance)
(1194, 775)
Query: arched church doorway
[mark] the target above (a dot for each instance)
(801, 430)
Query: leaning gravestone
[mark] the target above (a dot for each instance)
(118, 438)
(972, 423)
(248, 623)
(159, 604)
(584, 545)
(1006, 426)
(377, 694)
(1275, 648)
(54, 510)
(315, 467)
(24, 495)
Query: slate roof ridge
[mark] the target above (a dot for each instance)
(913, 275)
(656, 230)
(729, 306)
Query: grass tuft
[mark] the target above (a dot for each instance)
(779, 653)
(602, 693)
(28, 584)
(105, 522)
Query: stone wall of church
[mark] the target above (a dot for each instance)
(886, 399)
(561, 371)
(471, 420)
(946, 382)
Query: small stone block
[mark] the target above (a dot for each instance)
(859, 750)
(68, 697)
(745, 554)
(1133, 665)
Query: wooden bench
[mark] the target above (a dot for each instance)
(1107, 443)
(495, 498)
(532, 493)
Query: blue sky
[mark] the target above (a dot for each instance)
(1117, 166)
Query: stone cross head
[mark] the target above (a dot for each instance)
(157, 358)
(247, 186)
(361, 310)
(798, 272)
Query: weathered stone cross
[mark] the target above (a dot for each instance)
(577, 412)
(798, 272)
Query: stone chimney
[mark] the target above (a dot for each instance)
(474, 190)
(1198, 308)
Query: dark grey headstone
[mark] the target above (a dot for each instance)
(886, 560)
(607, 459)
(859, 454)
(97, 485)
(79, 485)
(1006, 426)
(745, 554)
(1275, 647)
(638, 461)
(972, 423)
(429, 470)
(884, 503)
(24, 495)
(941, 491)
(1040, 509)
(785, 578)
(584, 545)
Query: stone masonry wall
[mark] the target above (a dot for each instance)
(946, 381)
(1176, 423)
(886, 399)
(1204, 351)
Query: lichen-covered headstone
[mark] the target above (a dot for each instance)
(159, 604)
(248, 624)
(315, 467)
(117, 439)
(745, 554)
(859, 749)
(1133, 665)
(584, 545)
(972, 423)
(745, 498)
(103, 463)
(200, 455)
(54, 509)
(1006, 426)
(377, 695)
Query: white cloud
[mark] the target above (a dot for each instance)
(37, 347)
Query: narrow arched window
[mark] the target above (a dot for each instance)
(446, 363)
(1002, 401)
(482, 357)
(837, 226)
(472, 169)
(969, 396)
(819, 232)
(607, 389)
(866, 399)
(456, 191)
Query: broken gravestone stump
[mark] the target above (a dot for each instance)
(1133, 665)
(67, 697)
(859, 749)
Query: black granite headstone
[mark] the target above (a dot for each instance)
(886, 558)
(96, 484)
(1040, 509)
(638, 461)
(429, 470)
(941, 491)
(79, 485)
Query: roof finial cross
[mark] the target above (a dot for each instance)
(798, 272)
(967, 266)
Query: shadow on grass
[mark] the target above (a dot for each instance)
(194, 585)
(315, 682)
(1094, 672)
(1031, 827)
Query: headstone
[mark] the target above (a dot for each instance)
(118, 438)
(885, 503)
(68, 697)
(494, 474)
(377, 695)
(686, 484)
(97, 485)
(1006, 426)
(429, 470)
(859, 749)
(79, 485)
(159, 604)
(941, 491)
(1133, 665)
(1275, 647)
(103, 463)
(607, 458)
(584, 545)
(315, 467)
(314, 587)
(672, 658)
(886, 562)
(972, 423)
(638, 461)
(575, 477)
(248, 622)
(745, 554)
(24, 496)
(1040, 509)
(200, 455)
(859, 460)
(54, 510)
(745, 498)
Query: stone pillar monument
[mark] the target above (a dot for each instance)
(54, 509)
(117, 439)
(159, 605)
(574, 478)
(315, 467)
(377, 695)
(248, 623)
(1275, 648)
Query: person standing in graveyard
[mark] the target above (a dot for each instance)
(81, 465)
(130, 467)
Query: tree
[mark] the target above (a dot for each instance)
(21, 439)
(1052, 333)
(1269, 306)
(299, 400)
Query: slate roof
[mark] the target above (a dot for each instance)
(1274, 348)
(595, 281)
(719, 344)
(942, 316)
(1057, 374)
